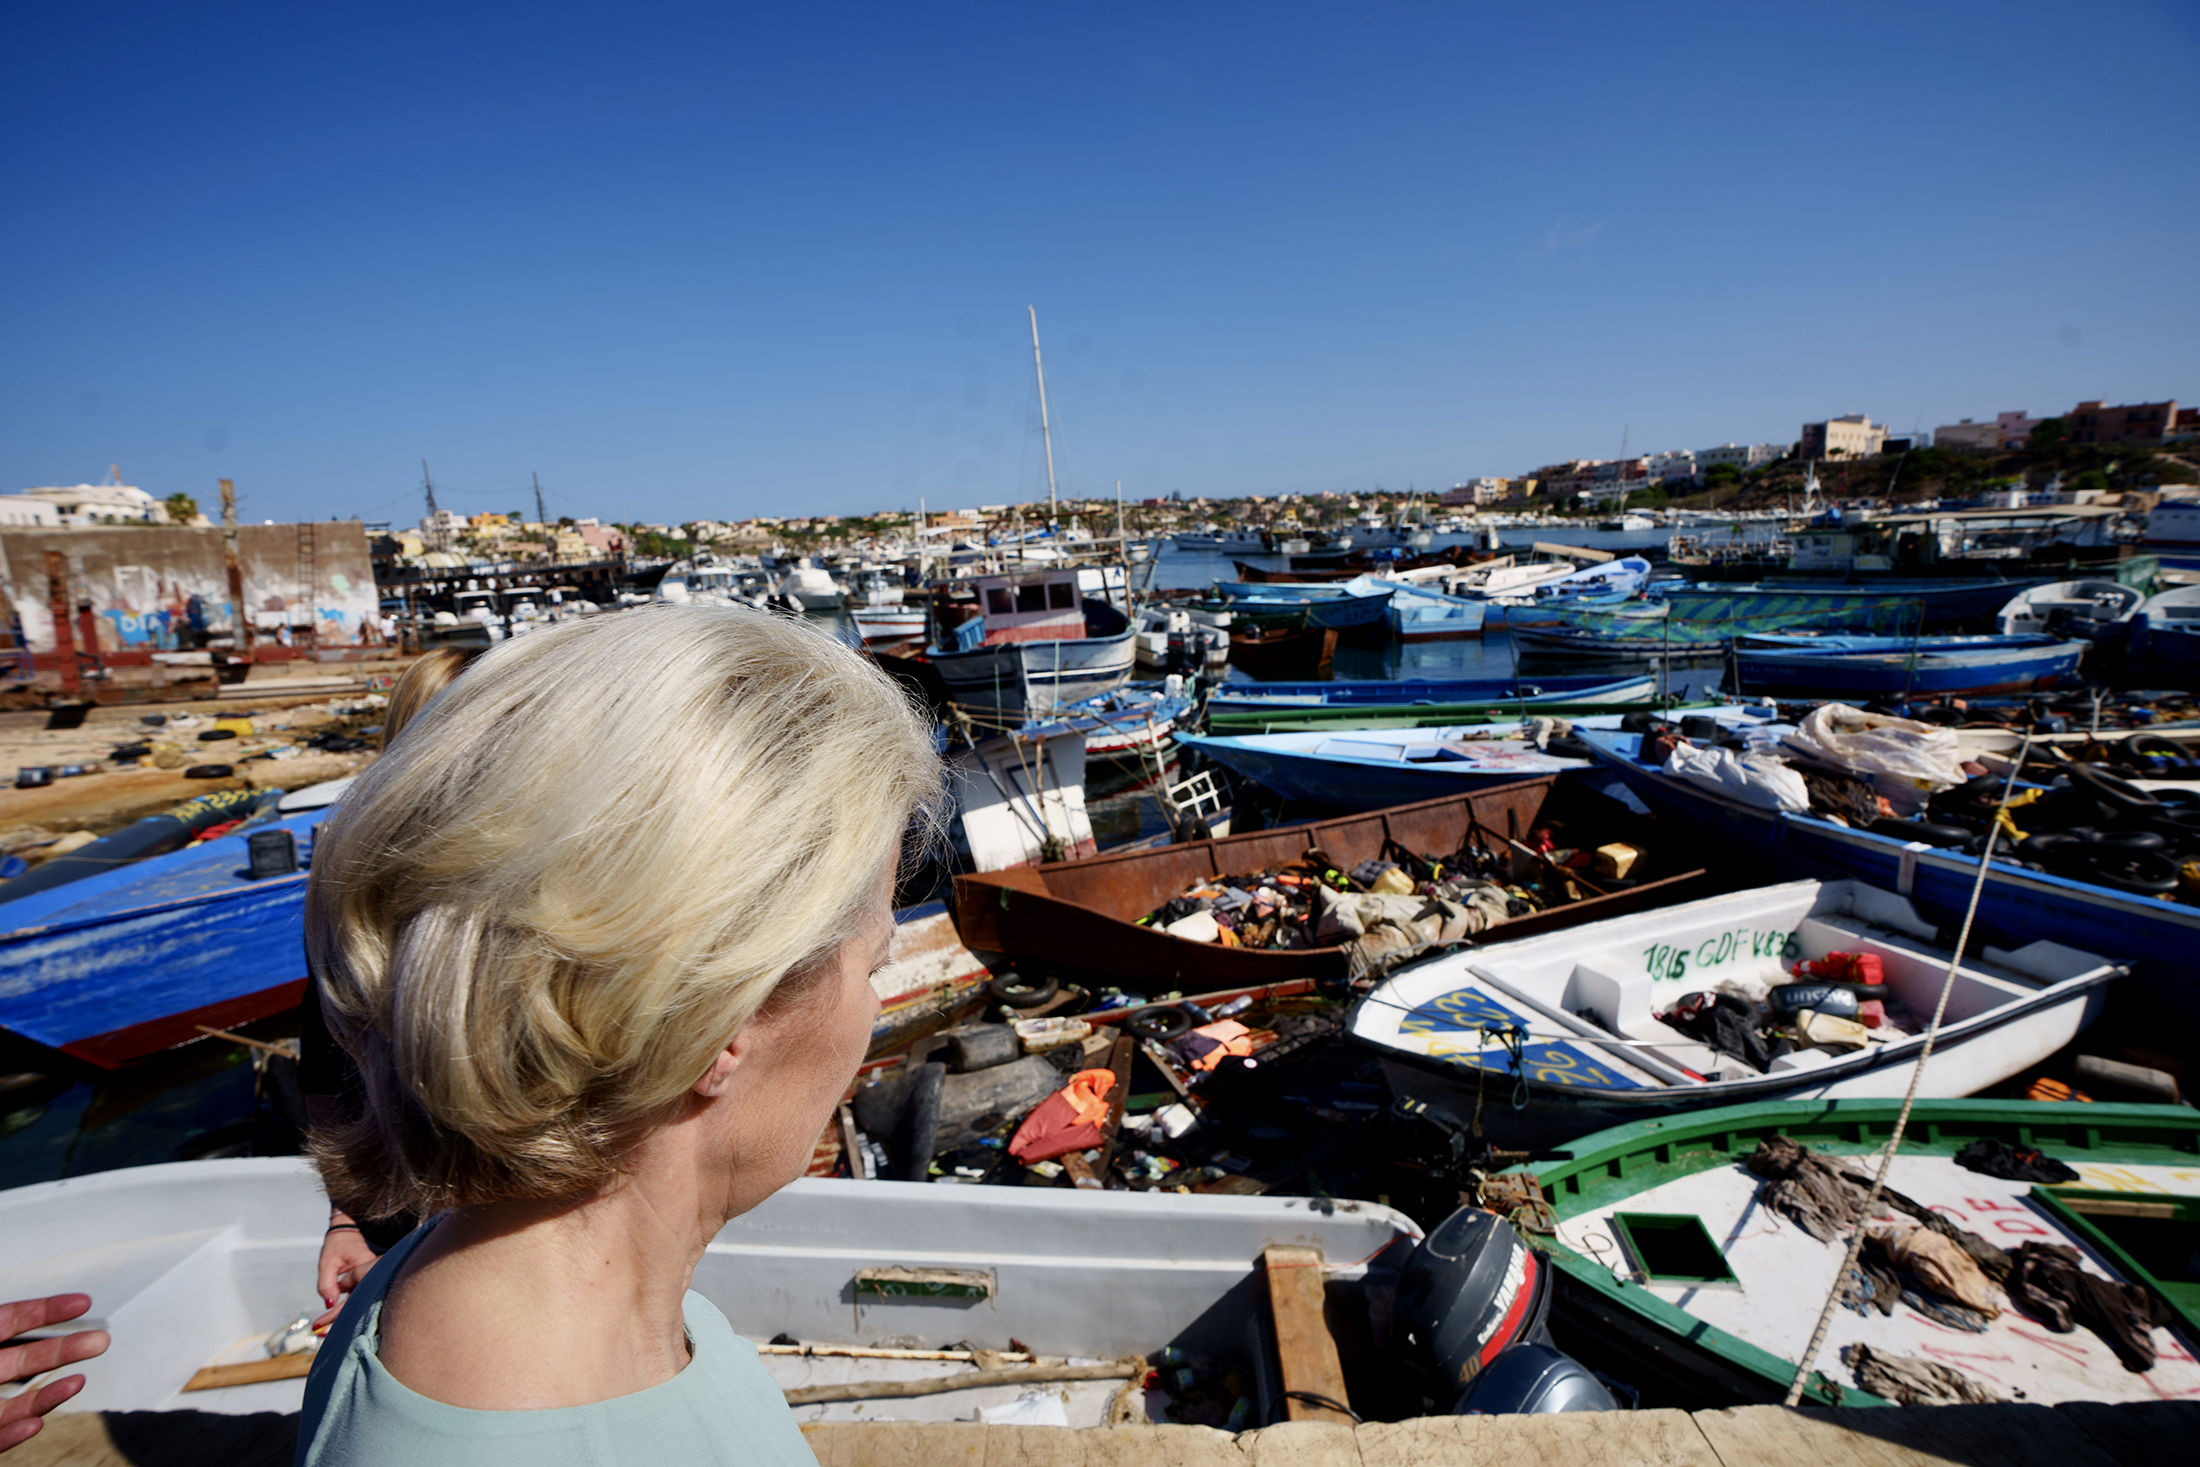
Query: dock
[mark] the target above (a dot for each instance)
(2076, 1435)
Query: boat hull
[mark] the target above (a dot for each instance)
(1835, 675)
(1032, 679)
(1579, 689)
(119, 966)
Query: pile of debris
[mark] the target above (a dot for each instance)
(1837, 1004)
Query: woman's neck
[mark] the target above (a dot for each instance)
(523, 1306)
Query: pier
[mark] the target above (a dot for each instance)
(2079, 1435)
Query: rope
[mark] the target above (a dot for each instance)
(1909, 1099)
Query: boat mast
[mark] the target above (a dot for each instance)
(1046, 431)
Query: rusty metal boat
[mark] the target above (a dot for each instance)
(1084, 915)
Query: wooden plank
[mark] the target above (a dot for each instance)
(252, 1372)
(1119, 1060)
(1305, 1352)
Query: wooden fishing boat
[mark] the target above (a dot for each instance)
(1283, 650)
(1665, 1248)
(1085, 914)
(1862, 668)
(1594, 1052)
(1344, 611)
(2165, 634)
(193, 1265)
(1377, 768)
(1036, 642)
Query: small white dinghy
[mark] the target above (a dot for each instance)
(2091, 610)
(194, 1264)
(1580, 1008)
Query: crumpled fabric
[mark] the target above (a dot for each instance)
(1822, 1194)
(2048, 1284)
(1872, 743)
(1725, 1021)
(1068, 1120)
(1939, 1263)
(2013, 1163)
(1379, 932)
(1909, 1381)
(1753, 778)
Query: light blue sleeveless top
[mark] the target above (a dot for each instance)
(722, 1408)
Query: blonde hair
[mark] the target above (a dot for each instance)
(429, 675)
(575, 879)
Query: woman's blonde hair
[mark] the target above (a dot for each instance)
(575, 879)
(430, 674)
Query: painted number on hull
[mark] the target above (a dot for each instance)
(1667, 963)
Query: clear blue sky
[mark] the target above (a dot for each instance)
(703, 260)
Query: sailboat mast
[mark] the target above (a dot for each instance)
(1046, 430)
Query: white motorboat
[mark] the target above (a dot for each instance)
(198, 1264)
(2092, 610)
(1584, 1006)
(811, 588)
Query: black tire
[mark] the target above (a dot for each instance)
(2133, 840)
(2141, 747)
(1018, 992)
(210, 771)
(1160, 1023)
(1930, 832)
(2145, 873)
(216, 735)
(2111, 789)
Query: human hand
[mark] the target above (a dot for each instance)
(22, 1416)
(345, 1259)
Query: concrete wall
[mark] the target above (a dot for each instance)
(140, 581)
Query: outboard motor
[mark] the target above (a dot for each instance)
(1470, 1290)
(1472, 1304)
(1531, 1379)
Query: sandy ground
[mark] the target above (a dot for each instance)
(285, 706)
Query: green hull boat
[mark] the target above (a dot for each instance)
(1667, 1254)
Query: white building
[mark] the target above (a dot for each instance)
(23, 511)
(89, 504)
(1741, 455)
(1968, 436)
(1673, 467)
(1485, 490)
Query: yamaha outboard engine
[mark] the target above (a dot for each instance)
(1472, 1295)
(1532, 1378)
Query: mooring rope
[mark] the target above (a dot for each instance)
(1909, 1099)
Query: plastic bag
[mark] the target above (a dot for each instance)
(1751, 779)
(1872, 743)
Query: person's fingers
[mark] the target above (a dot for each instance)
(25, 1315)
(20, 1416)
(20, 1362)
(327, 1319)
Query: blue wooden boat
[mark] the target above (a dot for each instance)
(2016, 906)
(1249, 697)
(1889, 608)
(124, 964)
(1376, 768)
(1849, 667)
(1550, 610)
(1342, 613)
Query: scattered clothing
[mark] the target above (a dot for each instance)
(1909, 1381)
(1939, 1263)
(2013, 1163)
(1815, 1192)
(2049, 1285)
(1725, 1022)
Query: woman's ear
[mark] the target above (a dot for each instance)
(720, 1074)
